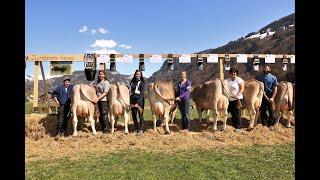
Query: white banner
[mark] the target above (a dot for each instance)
(185, 58)
(293, 59)
(156, 59)
(270, 58)
(127, 59)
(212, 58)
(242, 58)
(103, 58)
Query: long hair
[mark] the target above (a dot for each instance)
(134, 76)
(105, 77)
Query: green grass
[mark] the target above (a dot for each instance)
(256, 162)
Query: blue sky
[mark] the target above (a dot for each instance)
(142, 26)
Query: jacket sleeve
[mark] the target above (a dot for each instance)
(55, 92)
(142, 88)
(187, 90)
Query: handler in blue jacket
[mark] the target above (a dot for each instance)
(183, 98)
(62, 95)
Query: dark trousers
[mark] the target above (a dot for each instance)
(63, 116)
(184, 111)
(135, 111)
(103, 110)
(235, 110)
(267, 106)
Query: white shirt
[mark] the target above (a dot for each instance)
(234, 87)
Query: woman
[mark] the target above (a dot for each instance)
(102, 87)
(137, 88)
(183, 93)
(236, 87)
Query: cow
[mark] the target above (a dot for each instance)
(212, 95)
(161, 97)
(284, 102)
(119, 104)
(252, 99)
(82, 104)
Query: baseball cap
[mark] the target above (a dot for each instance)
(66, 79)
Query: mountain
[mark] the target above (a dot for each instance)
(76, 78)
(277, 37)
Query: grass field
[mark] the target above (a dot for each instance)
(255, 162)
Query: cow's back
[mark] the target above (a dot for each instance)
(206, 94)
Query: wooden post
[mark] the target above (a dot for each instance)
(35, 85)
(221, 69)
(45, 87)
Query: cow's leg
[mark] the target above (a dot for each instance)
(166, 121)
(215, 118)
(75, 122)
(126, 121)
(199, 115)
(112, 123)
(92, 122)
(279, 114)
(252, 114)
(224, 115)
(207, 115)
(289, 117)
(154, 117)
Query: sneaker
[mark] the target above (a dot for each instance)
(105, 130)
(271, 128)
(237, 130)
(139, 133)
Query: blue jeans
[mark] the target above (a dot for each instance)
(184, 111)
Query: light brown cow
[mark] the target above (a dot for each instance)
(284, 102)
(211, 95)
(82, 99)
(161, 97)
(252, 99)
(119, 104)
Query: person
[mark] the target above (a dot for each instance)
(62, 96)
(137, 88)
(236, 87)
(183, 99)
(102, 87)
(270, 88)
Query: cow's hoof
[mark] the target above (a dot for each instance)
(289, 127)
(74, 134)
(94, 133)
(249, 129)
(167, 132)
(126, 133)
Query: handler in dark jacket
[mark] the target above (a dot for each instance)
(183, 98)
(137, 87)
(62, 95)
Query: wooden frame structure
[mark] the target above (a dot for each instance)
(38, 58)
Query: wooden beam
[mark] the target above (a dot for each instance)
(45, 87)
(79, 57)
(35, 85)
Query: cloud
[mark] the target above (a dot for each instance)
(102, 43)
(103, 51)
(83, 29)
(93, 31)
(103, 30)
(125, 46)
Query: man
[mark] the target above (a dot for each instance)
(62, 95)
(270, 88)
(183, 99)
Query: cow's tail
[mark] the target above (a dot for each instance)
(85, 95)
(158, 93)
